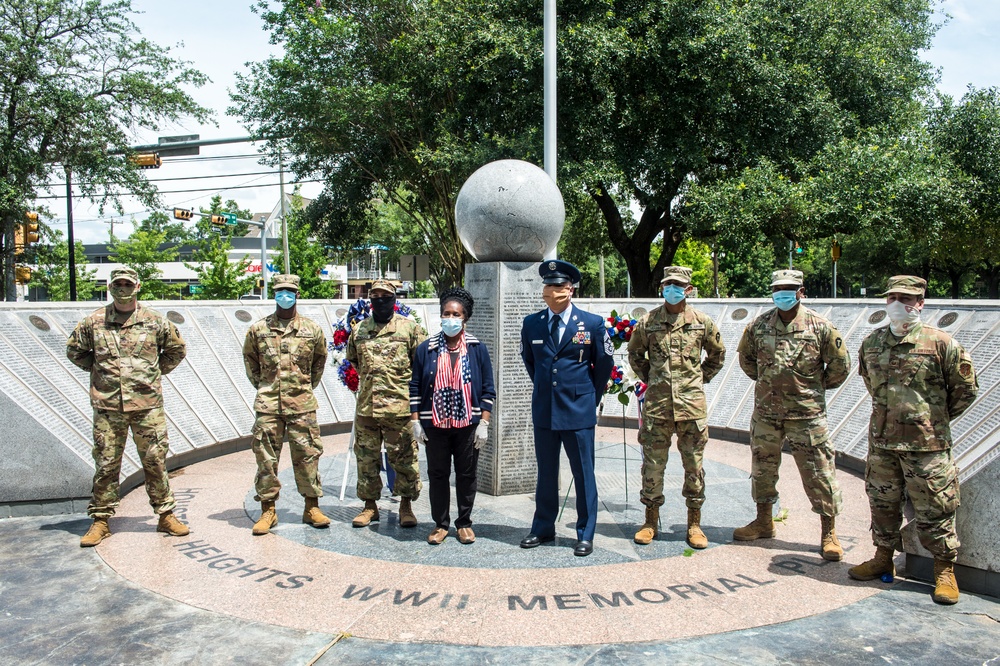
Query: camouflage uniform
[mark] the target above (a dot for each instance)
(125, 354)
(918, 384)
(665, 351)
(285, 360)
(794, 364)
(383, 355)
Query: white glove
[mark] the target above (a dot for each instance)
(418, 433)
(482, 433)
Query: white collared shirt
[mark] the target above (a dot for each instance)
(563, 320)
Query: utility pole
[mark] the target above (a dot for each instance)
(549, 93)
(69, 233)
(284, 220)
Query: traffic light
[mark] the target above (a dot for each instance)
(31, 228)
(183, 214)
(146, 160)
(22, 274)
(835, 250)
(798, 248)
(218, 219)
(260, 283)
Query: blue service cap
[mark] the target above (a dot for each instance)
(558, 272)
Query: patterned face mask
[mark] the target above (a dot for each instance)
(902, 317)
(123, 294)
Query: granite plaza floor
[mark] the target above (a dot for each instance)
(383, 595)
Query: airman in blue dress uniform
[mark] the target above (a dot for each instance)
(569, 358)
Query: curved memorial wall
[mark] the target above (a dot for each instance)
(45, 459)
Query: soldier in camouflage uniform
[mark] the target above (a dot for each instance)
(381, 347)
(665, 351)
(285, 355)
(126, 347)
(795, 356)
(920, 379)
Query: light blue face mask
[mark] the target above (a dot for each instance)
(451, 326)
(673, 294)
(786, 299)
(285, 299)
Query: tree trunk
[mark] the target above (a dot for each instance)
(9, 288)
(635, 249)
(990, 273)
(955, 277)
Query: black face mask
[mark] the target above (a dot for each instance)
(383, 308)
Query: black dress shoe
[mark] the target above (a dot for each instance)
(583, 548)
(533, 540)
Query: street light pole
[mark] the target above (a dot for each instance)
(69, 233)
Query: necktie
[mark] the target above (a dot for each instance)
(555, 331)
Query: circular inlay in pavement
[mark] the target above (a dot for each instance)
(387, 583)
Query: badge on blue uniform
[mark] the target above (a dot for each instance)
(582, 338)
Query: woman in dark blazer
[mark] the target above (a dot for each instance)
(451, 399)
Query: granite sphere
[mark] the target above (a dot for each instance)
(509, 210)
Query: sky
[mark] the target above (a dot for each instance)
(220, 36)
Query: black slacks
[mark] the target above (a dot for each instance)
(443, 446)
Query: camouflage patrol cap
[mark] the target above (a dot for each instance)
(786, 278)
(124, 273)
(906, 284)
(285, 281)
(680, 274)
(384, 285)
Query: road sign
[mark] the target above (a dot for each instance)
(195, 289)
(414, 267)
(230, 218)
(178, 152)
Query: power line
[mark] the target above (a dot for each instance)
(163, 180)
(204, 189)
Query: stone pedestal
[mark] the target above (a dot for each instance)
(505, 293)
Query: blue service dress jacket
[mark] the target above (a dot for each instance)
(569, 380)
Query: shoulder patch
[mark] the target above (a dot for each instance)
(965, 369)
(718, 336)
(609, 348)
(840, 343)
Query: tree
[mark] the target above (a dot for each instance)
(76, 82)
(142, 252)
(173, 232)
(382, 99)
(306, 257)
(204, 227)
(219, 278)
(692, 93)
(52, 269)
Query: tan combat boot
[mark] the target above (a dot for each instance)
(367, 515)
(97, 533)
(829, 544)
(268, 518)
(875, 567)
(651, 527)
(945, 585)
(168, 523)
(406, 517)
(696, 538)
(312, 515)
(762, 527)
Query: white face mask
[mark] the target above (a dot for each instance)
(902, 318)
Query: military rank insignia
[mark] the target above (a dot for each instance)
(609, 348)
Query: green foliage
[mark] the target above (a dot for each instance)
(219, 278)
(697, 256)
(141, 252)
(204, 227)
(173, 232)
(52, 269)
(306, 257)
(77, 83)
